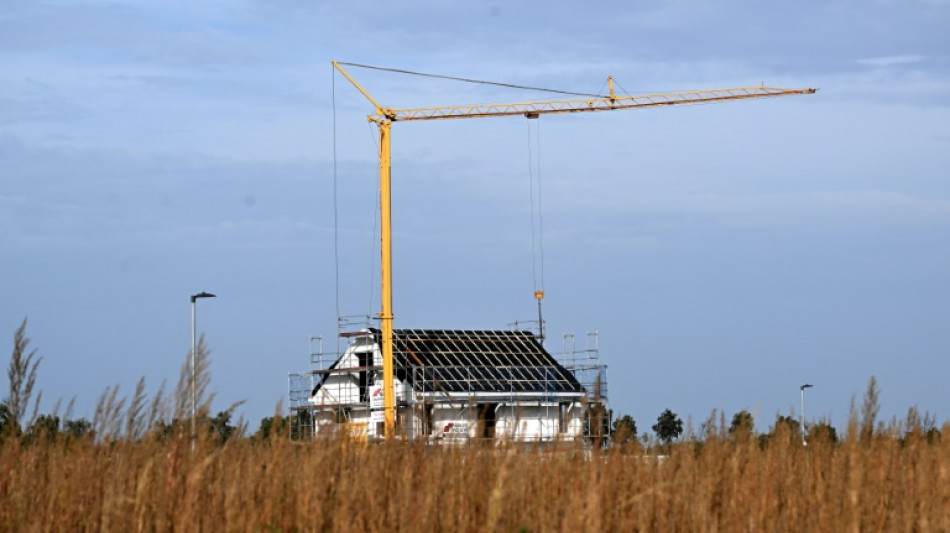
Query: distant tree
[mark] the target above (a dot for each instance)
(271, 425)
(928, 427)
(917, 427)
(742, 424)
(5, 419)
(76, 429)
(624, 430)
(668, 427)
(789, 422)
(785, 426)
(164, 431)
(45, 428)
(932, 435)
(221, 426)
(822, 432)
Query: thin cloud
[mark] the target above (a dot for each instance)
(891, 61)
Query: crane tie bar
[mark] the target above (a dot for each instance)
(469, 80)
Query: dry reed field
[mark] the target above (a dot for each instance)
(136, 468)
(881, 483)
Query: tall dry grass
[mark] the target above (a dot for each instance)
(720, 484)
(139, 470)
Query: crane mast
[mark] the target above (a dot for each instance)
(383, 117)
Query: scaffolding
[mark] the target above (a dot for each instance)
(446, 391)
(301, 384)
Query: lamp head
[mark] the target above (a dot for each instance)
(201, 294)
(807, 386)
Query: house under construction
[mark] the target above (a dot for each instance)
(455, 386)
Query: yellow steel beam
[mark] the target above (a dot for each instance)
(379, 109)
(386, 270)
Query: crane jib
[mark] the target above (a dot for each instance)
(533, 109)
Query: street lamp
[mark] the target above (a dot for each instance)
(803, 387)
(194, 350)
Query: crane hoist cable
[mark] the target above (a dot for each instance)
(534, 181)
(537, 237)
(375, 244)
(372, 293)
(336, 216)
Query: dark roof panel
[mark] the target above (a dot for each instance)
(477, 361)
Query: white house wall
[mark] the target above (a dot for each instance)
(337, 389)
(343, 387)
(537, 422)
(523, 422)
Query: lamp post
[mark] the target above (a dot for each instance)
(803, 387)
(194, 350)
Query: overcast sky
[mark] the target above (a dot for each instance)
(726, 254)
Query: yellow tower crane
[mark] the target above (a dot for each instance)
(383, 117)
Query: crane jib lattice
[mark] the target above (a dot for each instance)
(580, 105)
